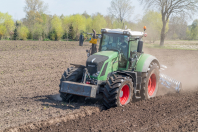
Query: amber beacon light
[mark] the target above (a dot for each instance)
(144, 28)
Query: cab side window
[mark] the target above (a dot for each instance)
(133, 49)
(134, 45)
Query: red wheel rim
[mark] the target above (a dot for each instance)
(124, 94)
(151, 84)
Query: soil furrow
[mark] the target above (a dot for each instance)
(30, 73)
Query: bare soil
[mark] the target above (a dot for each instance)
(30, 73)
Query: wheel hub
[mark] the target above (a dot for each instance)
(121, 94)
(124, 94)
(151, 84)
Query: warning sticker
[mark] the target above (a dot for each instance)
(93, 41)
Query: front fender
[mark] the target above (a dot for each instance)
(144, 62)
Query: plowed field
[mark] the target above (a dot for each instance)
(30, 74)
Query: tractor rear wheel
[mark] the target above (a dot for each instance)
(149, 86)
(74, 75)
(118, 91)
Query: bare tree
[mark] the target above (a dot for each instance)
(121, 9)
(177, 26)
(171, 7)
(34, 10)
(35, 5)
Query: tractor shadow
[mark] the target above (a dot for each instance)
(56, 102)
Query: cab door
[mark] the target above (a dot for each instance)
(133, 44)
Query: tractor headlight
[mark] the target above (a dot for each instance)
(96, 74)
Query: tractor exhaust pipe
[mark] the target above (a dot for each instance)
(93, 40)
(94, 48)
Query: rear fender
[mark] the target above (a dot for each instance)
(144, 61)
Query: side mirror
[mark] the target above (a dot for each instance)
(140, 46)
(81, 39)
(128, 39)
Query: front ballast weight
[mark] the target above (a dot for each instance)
(87, 88)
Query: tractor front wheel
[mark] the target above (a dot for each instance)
(118, 91)
(74, 75)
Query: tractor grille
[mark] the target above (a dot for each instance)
(95, 63)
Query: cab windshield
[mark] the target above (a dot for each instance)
(116, 42)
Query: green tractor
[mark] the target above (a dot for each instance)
(119, 72)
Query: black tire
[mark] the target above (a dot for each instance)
(150, 88)
(113, 89)
(74, 75)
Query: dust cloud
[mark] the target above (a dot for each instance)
(182, 65)
(56, 97)
(186, 73)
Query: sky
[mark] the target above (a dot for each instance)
(67, 7)
(70, 7)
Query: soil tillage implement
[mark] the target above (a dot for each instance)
(169, 82)
(119, 71)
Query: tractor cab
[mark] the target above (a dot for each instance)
(125, 42)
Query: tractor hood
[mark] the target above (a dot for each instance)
(110, 54)
(96, 61)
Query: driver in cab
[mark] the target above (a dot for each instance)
(124, 46)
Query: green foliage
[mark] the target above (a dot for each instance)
(194, 30)
(89, 25)
(3, 30)
(30, 35)
(71, 32)
(39, 26)
(188, 33)
(52, 35)
(23, 32)
(36, 20)
(46, 20)
(79, 24)
(56, 24)
(6, 24)
(117, 24)
(66, 22)
(46, 39)
(37, 32)
(109, 20)
(98, 23)
(15, 34)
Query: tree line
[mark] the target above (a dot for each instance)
(38, 25)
